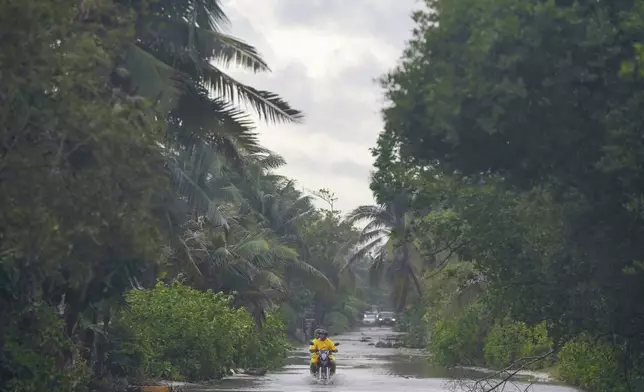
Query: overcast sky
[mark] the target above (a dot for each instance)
(325, 55)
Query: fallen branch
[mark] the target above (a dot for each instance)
(492, 382)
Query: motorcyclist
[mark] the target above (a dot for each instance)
(322, 342)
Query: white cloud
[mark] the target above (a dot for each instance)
(324, 56)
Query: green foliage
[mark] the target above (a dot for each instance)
(517, 128)
(326, 237)
(126, 354)
(387, 237)
(193, 335)
(32, 355)
(270, 347)
(593, 365)
(124, 157)
(79, 182)
(459, 339)
(449, 293)
(415, 325)
(336, 323)
(455, 320)
(509, 342)
(289, 317)
(486, 90)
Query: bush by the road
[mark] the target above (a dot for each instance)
(33, 345)
(414, 323)
(466, 337)
(593, 365)
(337, 323)
(508, 342)
(181, 333)
(459, 339)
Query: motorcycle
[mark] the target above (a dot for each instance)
(323, 373)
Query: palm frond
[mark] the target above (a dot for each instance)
(366, 249)
(209, 13)
(375, 225)
(227, 50)
(152, 78)
(252, 248)
(270, 278)
(369, 236)
(195, 196)
(370, 213)
(308, 270)
(268, 106)
(271, 161)
(284, 252)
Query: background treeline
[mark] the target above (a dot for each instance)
(512, 165)
(143, 231)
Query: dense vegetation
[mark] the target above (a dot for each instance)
(143, 232)
(514, 130)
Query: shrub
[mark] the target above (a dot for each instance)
(415, 324)
(32, 360)
(337, 323)
(459, 339)
(186, 334)
(508, 342)
(592, 365)
(273, 344)
(290, 317)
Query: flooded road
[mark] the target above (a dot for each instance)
(364, 367)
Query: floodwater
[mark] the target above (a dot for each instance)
(364, 367)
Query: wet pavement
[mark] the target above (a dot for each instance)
(364, 367)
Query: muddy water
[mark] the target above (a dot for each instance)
(363, 367)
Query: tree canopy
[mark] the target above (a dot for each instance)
(517, 128)
(130, 176)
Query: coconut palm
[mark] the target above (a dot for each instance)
(249, 263)
(387, 240)
(257, 252)
(179, 45)
(177, 60)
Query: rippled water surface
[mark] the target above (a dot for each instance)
(363, 367)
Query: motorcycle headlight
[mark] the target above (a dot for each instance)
(393, 319)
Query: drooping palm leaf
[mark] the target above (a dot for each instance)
(189, 42)
(152, 78)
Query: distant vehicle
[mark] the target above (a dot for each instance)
(386, 318)
(369, 319)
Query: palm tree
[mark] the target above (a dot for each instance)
(173, 58)
(249, 263)
(220, 172)
(258, 253)
(176, 61)
(387, 240)
(211, 148)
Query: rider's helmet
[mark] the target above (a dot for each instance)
(323, 333)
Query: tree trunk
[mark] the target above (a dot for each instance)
(410, 268)
(419, 287)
